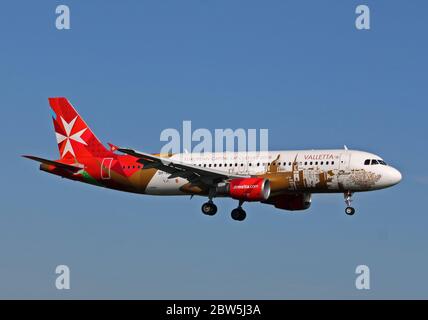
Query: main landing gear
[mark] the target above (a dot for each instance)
(210, 209)
(239, 214)
(348, 199)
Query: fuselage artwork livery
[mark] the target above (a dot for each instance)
(284, 179)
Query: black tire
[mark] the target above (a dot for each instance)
(238, 214)
(349, 211)
(209, 208)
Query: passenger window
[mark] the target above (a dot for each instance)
(326, 162)
(322, 162)
(306, 163)
(258, 164)
(332, 162)
(310, 163)
(316, 163)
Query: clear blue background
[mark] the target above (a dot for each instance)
(133, 68)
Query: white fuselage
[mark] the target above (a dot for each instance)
(314, 171)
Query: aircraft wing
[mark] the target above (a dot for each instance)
(193, 173)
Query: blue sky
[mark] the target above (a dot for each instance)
(133, 68)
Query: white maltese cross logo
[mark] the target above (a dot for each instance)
(68, 127)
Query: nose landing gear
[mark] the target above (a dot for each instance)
(349, 211)
(348, 199)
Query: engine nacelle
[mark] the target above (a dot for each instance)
(246, 189)
(292, 201)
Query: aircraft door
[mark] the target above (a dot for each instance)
(344, 161)
(106, 168)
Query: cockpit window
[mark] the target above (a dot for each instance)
(374, 161)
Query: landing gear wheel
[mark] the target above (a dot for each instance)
(349, 211)
(348, 199)
(238, 214)
(209, 208)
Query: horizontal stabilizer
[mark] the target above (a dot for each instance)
(71, 167)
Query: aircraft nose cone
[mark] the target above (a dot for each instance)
(394, 176)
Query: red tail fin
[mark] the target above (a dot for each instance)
(75, 139)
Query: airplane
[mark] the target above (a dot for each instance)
(283, 179)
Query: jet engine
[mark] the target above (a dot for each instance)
(246, 189)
